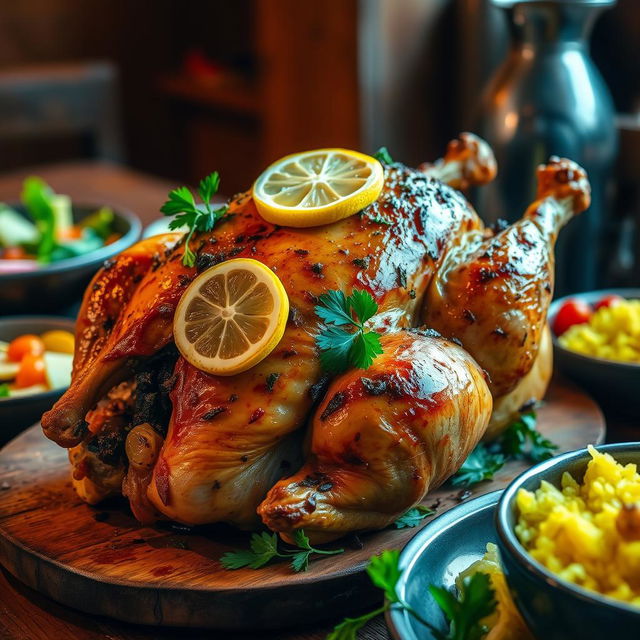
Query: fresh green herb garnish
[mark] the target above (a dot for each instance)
(413, 517)
(523, 440)
(264, 548)
(197, 217)
(464, 613)
(340, 348)
(481, 464)
(378, 218)
(37, 196)
(383, 155)
(519, 441)
(4, 390)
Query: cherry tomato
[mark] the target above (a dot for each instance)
(15, 253)
(32, 371)
(570, 313)
(27, 344)
(608, 301)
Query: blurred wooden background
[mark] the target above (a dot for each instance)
(232, 85)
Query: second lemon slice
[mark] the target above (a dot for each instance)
(231, 317)
(318, 187)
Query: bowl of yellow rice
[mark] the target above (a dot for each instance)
(603, 354)
(569, 538)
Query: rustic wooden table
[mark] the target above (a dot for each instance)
(24, 613)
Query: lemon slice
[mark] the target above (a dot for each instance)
(231, 317)
(318, 187)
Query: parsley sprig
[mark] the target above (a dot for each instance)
(264, 547)
(383, 155)
(465, 612)
(197, 217)
(340, 348)
(413, 517)
(521, 440)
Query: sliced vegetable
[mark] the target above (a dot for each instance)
(15, 229)
(37, 196)
(570, 313)
(58, 369)
(62, 214)
(59, 341)
(608, 301)
(31, 372)
(101, 222)
(8, 370)
(27, 344)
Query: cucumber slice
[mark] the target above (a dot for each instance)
(58, 369)
(15, 230)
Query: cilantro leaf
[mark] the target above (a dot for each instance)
(300, 561)
(37, 197)
(465, 613)
(334, 307)
(349, 627)
(481, 465)
(384, 572)
(363, 304)
(522, 440)
(341, 348)
(335, 347)
(264, 547)
(196, 217)
(383, 155)
(413, 517)
(4, 390)
(364, 349)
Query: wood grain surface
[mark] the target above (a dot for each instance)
(99, 560)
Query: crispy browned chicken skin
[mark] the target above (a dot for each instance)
(230, 439)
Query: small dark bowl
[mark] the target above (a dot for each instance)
(16, 414)
(555, 609)
(614, 384)
(444, 548)
(57, 286)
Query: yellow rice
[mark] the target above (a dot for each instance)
(587, 533)
(612, 333)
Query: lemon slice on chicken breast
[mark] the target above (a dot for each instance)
(317, 187)
(231, 317)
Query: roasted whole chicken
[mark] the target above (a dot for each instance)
(462, 316)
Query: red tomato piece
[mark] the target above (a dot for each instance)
(32, 371)
(28, 344)
(570, 313)
(608, 301)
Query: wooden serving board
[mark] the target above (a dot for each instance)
(101, 561)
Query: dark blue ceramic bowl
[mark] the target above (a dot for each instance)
(614, 384)
(555, 609)
(16, 414)
(55, 287)
(444, 548)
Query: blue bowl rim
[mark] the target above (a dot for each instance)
(397, 620)
(630, 292)
(51, 394)
(93, 257)
(509, 540)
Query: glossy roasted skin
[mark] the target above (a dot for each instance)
(493, 290)
(127, 314)
(230, 439)
(382, 438)
(232, 433)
